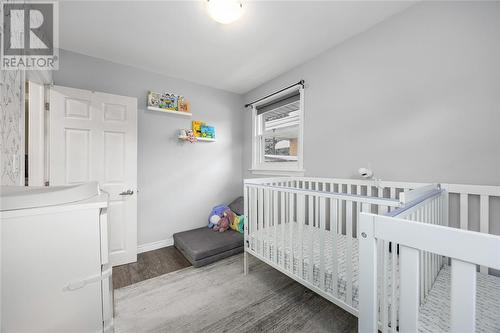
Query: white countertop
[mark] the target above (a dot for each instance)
(38, 200)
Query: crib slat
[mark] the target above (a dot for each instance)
(322, 229)
(358, 209)
(261, 221)
(310, 207)
(383, 255)
(409, 295)
(283, 237)
(255, 219)
(422, 260)
(434, 258)
(275, 226)
(464, 211)
(369, 194)
(394, 301)
(484, 221)
(419, 216)
(348, 257)
(290, 227)
(340, 226)
(392, 194)
(268, 220)
(432, 264)
(301, 201)
(381, 209)
(463, 296)
(334, 217)
(310, 266)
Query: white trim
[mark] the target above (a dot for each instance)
(141, 248)
(262, 168)
(36, 134)
(278, 172)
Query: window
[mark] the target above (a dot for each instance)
(277, 128)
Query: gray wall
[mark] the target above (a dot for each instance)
(417, 97)
(178, 182)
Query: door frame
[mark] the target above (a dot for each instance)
(37, 133)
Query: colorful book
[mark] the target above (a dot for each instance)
(154, 99)
(208, 132)
(169, 102)
(196, 125)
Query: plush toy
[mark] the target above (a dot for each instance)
(224, 222)
(238, 223)
(215, 215)
(214, 220)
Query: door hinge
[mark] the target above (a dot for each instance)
(47, 183)
(47, 106)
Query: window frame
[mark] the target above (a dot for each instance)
(259, 166)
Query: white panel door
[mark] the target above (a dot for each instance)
(93, 136)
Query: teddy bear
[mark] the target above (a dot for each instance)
(224, 222)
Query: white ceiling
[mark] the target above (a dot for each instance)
(178, 39)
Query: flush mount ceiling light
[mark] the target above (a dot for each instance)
(225, 11)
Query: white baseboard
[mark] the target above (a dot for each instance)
(155, 245)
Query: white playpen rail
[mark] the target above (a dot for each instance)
(274, 203)
(422, 247)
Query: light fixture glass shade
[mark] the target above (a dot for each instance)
(225, 11)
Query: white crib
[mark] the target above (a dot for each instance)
(308, 229)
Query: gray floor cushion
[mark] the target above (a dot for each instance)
(238, 206)
(203, 246)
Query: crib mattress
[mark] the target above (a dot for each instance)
(312, 236)
(435, 311)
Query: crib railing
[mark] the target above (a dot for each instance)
(469, 206)
(293, 223)
(425, 205)
(421, 249)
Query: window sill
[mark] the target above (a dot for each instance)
(278, 172)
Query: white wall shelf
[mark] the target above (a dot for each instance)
(206, 139)
(187, 114)
(197, 139)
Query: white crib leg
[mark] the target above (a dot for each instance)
(245, 263)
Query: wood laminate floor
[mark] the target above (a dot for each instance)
(149, 265)
(219, 298)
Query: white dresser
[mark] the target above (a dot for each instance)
(55, 272)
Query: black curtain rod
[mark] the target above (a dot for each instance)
(301, 82)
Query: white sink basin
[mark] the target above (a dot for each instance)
(21, 197)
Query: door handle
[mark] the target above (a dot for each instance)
(127, 192)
